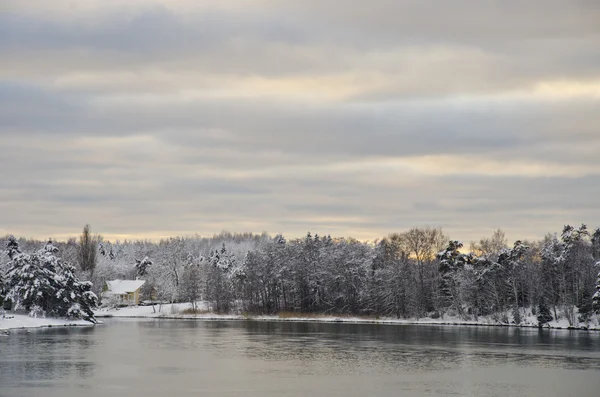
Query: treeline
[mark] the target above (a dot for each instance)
(418, 273)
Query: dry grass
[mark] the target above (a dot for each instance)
(192, 311)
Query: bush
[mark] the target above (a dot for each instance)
(36, 311)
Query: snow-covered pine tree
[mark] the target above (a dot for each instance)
(219, 286)
(552, 254)
(451, 260)
(511, 262)
(32, 279)
(12, 247)
(578, 270)
(42, 280)
(596, 254)
(2, 289)
(142, 266)
(101, 249)
(12, 250)
(596, 297)
(75, 298)
(595, 239)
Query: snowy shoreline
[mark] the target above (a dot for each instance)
(171, 312)
(23, 321)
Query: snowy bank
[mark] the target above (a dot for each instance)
(174, 311)
(14, 321)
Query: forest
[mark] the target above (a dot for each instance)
(414, 274)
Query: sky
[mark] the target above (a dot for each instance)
(149, 119)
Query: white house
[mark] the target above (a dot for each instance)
(125, 291)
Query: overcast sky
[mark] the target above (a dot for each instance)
(160, 118)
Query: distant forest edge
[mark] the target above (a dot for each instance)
(415, 274)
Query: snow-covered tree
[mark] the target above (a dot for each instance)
(33, 279)
(596, 297)
(552, 289)
(101, 249)
(423, 245)
(451, 262)
(397, 276)
(577, 282)
(12, 247)
(142, 266)
(75, 297)
(190, 287)
(511, 263)
(219, 286)
(41, 280)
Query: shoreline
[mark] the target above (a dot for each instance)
(122, 313)
(16, 321)
(173, 312)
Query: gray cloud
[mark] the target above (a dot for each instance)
(290, 116)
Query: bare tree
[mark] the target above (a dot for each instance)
(423, 245)
(86, 251)
(490, 247)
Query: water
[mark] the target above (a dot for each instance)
(192, 358)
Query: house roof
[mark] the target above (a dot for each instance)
(124, 286)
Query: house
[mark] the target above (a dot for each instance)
(123, 291)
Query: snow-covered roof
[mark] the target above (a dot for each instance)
(124, 286)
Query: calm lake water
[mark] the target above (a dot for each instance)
(220, 358)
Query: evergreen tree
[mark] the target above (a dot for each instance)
(12, 247)
(101, 249)
(32, 279)
(510, 262)
(42, 280)
(595, 239)
(596, 297)
(74, 296)
(142, 266)
(585, 307)
(451, 262)
(543, 313)
(218, 287)
(3, 288)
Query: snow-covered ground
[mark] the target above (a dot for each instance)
(174, 312)
(12, 321)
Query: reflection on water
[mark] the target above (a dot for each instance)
(41, 359)
(160, 357)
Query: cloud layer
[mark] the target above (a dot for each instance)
(158, 118)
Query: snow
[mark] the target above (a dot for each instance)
(148, 311)
(124, 286)
(173, 311)
(12, 321)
